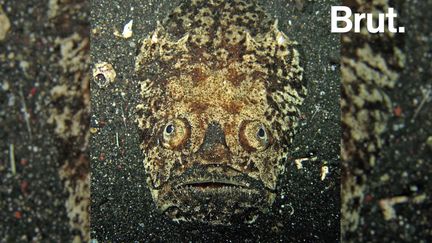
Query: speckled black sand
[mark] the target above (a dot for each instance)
(32, 201)
(406, 158)
(306, 209)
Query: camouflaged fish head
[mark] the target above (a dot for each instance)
(221, 87)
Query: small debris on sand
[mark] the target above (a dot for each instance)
(299, 162)
(103, 73)
(127, 31)
(429, 142)
(324, 172)
(12, 158)
(4, 24)
(387, 206)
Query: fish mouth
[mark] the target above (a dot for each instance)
(213, 184)
(208, 178)
(217, 195)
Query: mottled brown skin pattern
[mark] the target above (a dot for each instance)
(221, 87)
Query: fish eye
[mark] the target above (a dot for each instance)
(169, 128)
(254, 136)
(261, 133)
(175, 133)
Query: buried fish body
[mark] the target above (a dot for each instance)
(221, 88)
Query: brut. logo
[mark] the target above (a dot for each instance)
(342, 14)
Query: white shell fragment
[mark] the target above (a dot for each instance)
(103, 74)
(127, 30)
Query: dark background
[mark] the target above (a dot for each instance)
(34, 200)
(404, 168)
